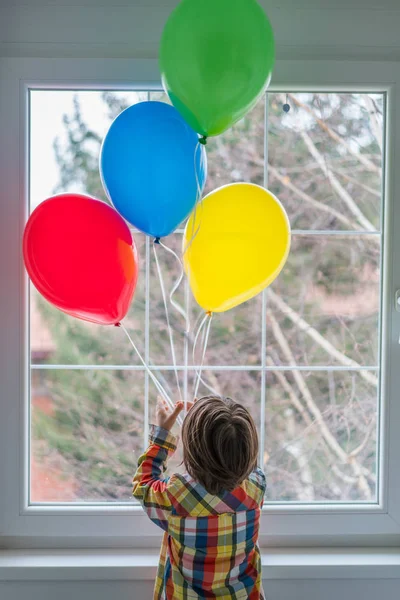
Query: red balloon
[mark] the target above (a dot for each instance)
(80, 255)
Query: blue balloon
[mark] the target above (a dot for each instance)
(153, 167)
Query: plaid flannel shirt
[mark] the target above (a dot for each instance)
(209, 548)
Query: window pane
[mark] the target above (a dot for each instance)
(325, 159)
(67, 129)
(235, 336)
(86, 434)
(66, 132)
(324, 307)
(57, 338)
(237, 154)
(159, 97)
(320, 441)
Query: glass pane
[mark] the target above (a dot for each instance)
(86, 434)
(325, 165)
(324, 307)
(321, 436)
(67, 129)
(325, 159)
(57, 338)
(237, 154)
(160, 97)
(235, 335)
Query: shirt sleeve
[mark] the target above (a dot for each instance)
(257, 485)
(148, 485)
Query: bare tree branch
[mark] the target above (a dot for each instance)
(336, 185)
(371, 166)
(305, 493)
(298, 377)
(376, 128)
(346, 478)
(285, 181)
(291, 393)
(317, 337)
(365, 441)
(296, 403)
(314, 410)
(367, 188)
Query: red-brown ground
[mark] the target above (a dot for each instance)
(48, 480)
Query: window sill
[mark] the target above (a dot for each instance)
(100, 565)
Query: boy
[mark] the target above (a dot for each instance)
(210, 515)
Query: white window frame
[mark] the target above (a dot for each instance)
(127, 526)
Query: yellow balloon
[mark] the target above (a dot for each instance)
(235, 245)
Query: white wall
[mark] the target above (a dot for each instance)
(367, 29)
(331, 29)
(324, 589)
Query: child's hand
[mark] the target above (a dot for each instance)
(165, 416)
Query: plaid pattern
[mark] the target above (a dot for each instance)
(209, 549)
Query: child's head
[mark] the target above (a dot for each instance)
(220, 443)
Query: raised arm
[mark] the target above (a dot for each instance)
(149, 486)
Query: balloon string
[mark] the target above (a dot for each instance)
(197, 322)
(199, 330)
(180, 310)
(206, 334)
(204, 340)
(203, 335)
(158, 385)
(171, 334)
(177, 306)
(177, 283)
(198, 202)
(196, 337)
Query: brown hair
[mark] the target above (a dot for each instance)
(220, 443)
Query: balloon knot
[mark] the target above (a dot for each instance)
(117, 324)
(157, 240)
(209, 313)
(203, 140)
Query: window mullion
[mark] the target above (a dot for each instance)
(146, 344)
(264, 311)
(186, 342)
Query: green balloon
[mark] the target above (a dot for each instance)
(216, 60)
